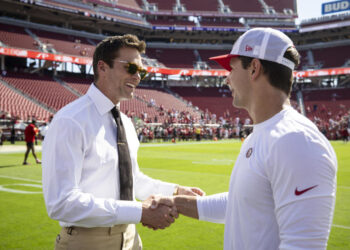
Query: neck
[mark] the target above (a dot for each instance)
(267, 102)
(107, 93)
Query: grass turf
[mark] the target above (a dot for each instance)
(25, 224)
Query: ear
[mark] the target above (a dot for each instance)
(255, 68)
(101, 66)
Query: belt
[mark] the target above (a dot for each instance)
(96, 230)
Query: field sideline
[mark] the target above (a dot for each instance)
(25, 224)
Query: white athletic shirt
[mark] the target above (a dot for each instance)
(282, 188)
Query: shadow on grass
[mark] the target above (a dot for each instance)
(9, 166)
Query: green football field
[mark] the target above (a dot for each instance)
(208, 165)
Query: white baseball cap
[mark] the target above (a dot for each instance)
(263, 43)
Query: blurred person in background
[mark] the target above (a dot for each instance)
(30, 133)
(43, 129)
(1, 137)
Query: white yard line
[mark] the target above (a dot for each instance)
(18, 178)
(228, 163)
(341, 226)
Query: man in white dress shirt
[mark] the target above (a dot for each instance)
(80, 160)
(283, 185)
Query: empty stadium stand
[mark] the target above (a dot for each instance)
(327, 58)
(133, 106)
(244, 6)
(18, 106)
(168, 101)
(326, 109)
(173, 58)
(333, 94)
(203, 5)
(216, 100)
(140, 109)
(221, 22)
(170, 21)
(206, 54)
(42, 89)
(281, 5)
(65, 43)
(79, 84)
(162, 4)
(326, 103)
(129, 3)
(14, 36)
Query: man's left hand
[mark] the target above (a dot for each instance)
(191, 191)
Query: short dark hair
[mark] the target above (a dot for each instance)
(107, 49)
(278, 75)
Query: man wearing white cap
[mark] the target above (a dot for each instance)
(282, 189)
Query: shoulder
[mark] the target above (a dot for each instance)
(303, 149)
(293, 126)
(74, 116)
(76, 109)
(295, 135)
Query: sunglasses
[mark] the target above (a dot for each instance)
(133, 68)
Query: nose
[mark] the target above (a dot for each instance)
(137, 75)
(227, 83)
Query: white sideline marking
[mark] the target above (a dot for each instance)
(228, 162)
(11, 190)
(341, 226)
(18, 178)
(215, 162)
(222, 160)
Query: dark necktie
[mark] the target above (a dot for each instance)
(125, 167)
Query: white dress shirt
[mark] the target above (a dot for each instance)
(282, 188)
(80, 166)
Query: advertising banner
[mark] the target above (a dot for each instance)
(336, 6)
(165, 71)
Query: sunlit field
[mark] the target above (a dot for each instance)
(208, 165)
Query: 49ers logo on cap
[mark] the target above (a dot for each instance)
(249, 152)
(248, 48)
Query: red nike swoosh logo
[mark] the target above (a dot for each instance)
(297, 192)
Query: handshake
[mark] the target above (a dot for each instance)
(159, 212)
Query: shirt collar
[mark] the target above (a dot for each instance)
(102, 103)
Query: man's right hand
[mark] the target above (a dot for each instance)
(184, 204)
(158, 217)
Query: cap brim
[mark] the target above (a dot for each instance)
(223, 60)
